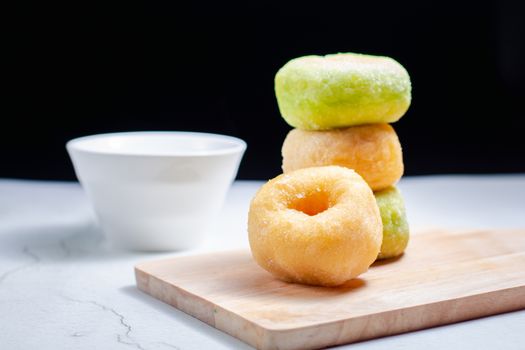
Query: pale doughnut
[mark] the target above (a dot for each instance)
(341, 90)
(395, 224)
(373, 151)
(318, 226)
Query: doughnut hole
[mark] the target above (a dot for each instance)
(318, 226)
(312, 203)
(373, 151)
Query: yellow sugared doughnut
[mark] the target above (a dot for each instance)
(318, 226)
(373, 151)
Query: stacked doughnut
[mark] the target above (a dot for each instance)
(340, 106)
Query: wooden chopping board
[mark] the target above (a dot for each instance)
(443, 277)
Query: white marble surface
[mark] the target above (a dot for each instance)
(62, 287)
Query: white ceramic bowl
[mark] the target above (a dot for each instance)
(156, 190)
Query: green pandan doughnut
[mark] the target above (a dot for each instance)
(341, 90)
(395, 224)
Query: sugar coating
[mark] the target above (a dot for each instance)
(318, 226)
(341, 90)
(395, 225)
(373, 151)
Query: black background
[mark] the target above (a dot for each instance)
(78, 69)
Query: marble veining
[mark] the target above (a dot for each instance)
(124, 338)
(33, 259)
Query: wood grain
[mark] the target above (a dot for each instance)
(444, 277)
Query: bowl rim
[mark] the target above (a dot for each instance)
(238, 145)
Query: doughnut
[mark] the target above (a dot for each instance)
(395, 224)
(373, 151)
(318, 226)
(341, 90)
